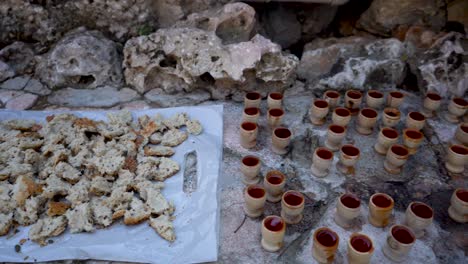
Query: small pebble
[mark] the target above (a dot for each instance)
(17, 248)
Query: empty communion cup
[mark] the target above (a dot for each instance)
(456, 108)
(458, 209)
(321, 162)
(318, 112)
(341, 116)
(250, 168)
(335, 135)
(273, 230)
(415, 120)
(252, 99)
(360, 249)
(251, 114)
(457, 158)
(274, 184)
(366, 121)
(395, 99)
(348, 208)
(275, 117)
(431, 104)
(400, 240)
(280, 139)
(325, 245)
(461, 134)
(353, 99)
(412, 139)
(380, 209)
(349, 156)
(387, 137)
(397, 155)
(292, 206)
(254, 197)
(332, 97)
(391, 117)
(374, 99)
(248, 135)
(275, 100)
(418, 217)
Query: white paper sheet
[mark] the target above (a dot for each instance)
(197, 214)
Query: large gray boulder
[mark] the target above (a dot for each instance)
(383, 16)
(184, 59)
(353, 62)
(82, 59)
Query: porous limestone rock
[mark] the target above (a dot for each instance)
(82, 59)
(355, 62)
(17, 100)
(47, 21)
(383, 16)
(5, 71)
(19, 56)
(443, 67)
(100, 97)
(232, 23)
(182, 99)
(183, 59)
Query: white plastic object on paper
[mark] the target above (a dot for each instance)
(197, 214)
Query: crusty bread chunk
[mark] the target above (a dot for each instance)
(100, 186)
(57, 208)
(6, 221)
(7, 204)
(137, 213)
(164, 227)
(79, 193)
(194, 127)
(176, 121)
(24, 187)
(67, 172)
(28, 213)
(160, 151)
(119, 201)
(20, 124)
(56, 186)
(173, 137)
(102, 214)
(80, 218)
(156, 138)
(166, 169)
(156, 202)
(47, 227)
(126, 180)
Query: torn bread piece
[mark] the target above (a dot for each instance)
(56, 186)
(194, 127)
(24, 187)
(174, 137)
(167, 168)
(121, 118)
(67, 172)
(28, 213)
(102, 214)
(126, 180)
(110, 163)
(57, 208)
(157, 203)
(160, 151)
(156, 138)
(137, 213)
(100, 186)
(79, 193)
(80, 219)
(176, 121)
(143, 184)
(29, 140)
(46, 228)
(6, 221)
(7, 204)
(119, 201)
(20, 124)
(163, 226)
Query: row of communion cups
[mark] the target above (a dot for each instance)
(400, 240)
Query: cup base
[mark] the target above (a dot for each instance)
(253, 214)
(250, 181)
(454, 169)
(248, 145)
(318, 173)
(344, 169)
(451, 118)
(411, 151)
(392, 254)
(291, 220)
(354, 111)
(320, 259)
(364, 131)
(380, 150)
(376, 223)
(427, 112)
(273, 199)
(279, 151)
(271, 248)
(341, 222)
(332, 147)
(457, 217)
(317, 122)
(391, 169)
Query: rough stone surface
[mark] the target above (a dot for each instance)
(232, 23)
(5, 71)
(17, 83)
(353, 62)
(22, 102)
(48, 21)
(36, 87)
(20, 57)
(169, 100)
(383, 16)
(281, 25)
(443, 67)
(184, 59)
(82, 59)
(100, 97)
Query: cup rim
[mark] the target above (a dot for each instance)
(431, 96)
(464, 127)
(295, 192)
(389, 129)
(458, 198)
(257, 111)
(397, 94)
(407, 229)
(375, 94)
(255, 186)
(350, 146)
(416, 116)
(253, 96)
(330, 128)
(273, 112)
(335, 94)
(278, 95)
(320, 229)
(277, 172)
(282, 129)
(355, 234)
(257, 159)
(400, 147)
(347, 207)
(366, 111)
(243, 124)
(354, 94)
(459, 148)
(339, 112)
(321, 103)
(392, 110)
(371, 200)
(277, 217)
(319, 149)
(424, 204)
(459, 101)
(410, 134)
